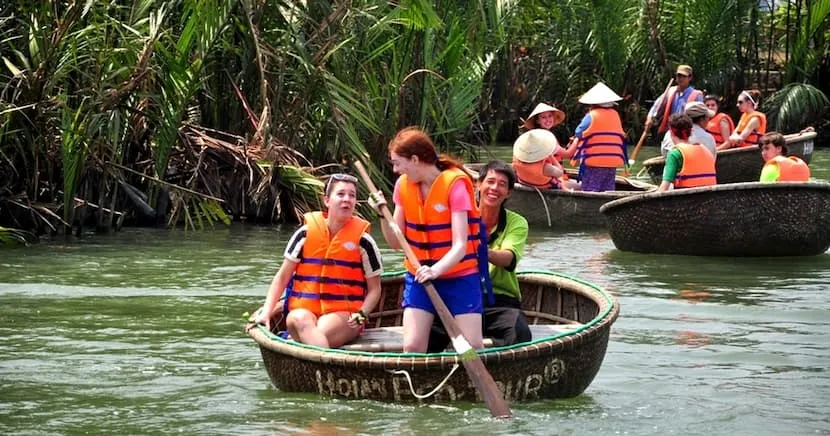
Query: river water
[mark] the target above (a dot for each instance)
(141, 332)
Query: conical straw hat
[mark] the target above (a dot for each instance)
(558, 115)
(534, 145)
(599, 94)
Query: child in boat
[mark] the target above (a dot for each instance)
(779, 167)
(504, 321)
(600, 140)
(535, 162)
(330, 277)
(435, 207)
(687, 165)
(752, 125)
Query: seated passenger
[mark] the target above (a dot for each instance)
(330, 277)
(719, 126)
(687, 165)
(535, 164)
(779, 168)
(751, 126)
(504, 320)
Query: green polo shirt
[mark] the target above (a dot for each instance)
(509, 234)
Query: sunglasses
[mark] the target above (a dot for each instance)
(681, 75)
(340, 177)
(741, 101)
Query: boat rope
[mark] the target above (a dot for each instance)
(432, 392)
(545, 203)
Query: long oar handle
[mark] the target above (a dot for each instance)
(476, 370)
(642, 140)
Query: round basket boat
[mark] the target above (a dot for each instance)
(743, 164)
(564, 209)
(570, 320)
(740, 219)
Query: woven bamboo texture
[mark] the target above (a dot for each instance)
(740, 219)
(567, 209)
(558, 366)
(744, 164)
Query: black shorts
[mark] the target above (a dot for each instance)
(504, 323)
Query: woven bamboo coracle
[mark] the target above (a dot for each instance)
(578, 315)
(740, 219)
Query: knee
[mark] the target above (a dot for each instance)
(300, 319)
(414, 344)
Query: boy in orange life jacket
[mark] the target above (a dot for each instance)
(687, 165)
(330, 277)
(435, 208)
(778, 167)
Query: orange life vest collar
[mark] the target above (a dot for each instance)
(791, 169)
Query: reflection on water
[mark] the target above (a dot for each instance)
(141, 332)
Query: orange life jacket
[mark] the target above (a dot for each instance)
(603, 143)
(791, 169)
(713, 127)
(664, 120)
(428, 227)
(754, 138)
(330, 276)
(698, 167)
(531, 174)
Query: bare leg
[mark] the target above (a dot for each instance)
(302, 326)
(416, 325)
(335, 326)
(470, 325)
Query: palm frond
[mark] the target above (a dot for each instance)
(794, 107)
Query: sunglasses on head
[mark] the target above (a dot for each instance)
(340, 177)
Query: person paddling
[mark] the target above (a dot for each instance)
(504, 321)
(674, 100)
(435, 207)
(330, 277)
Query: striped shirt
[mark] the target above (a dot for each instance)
(369, 251)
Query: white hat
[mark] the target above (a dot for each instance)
(534, 145)
(696, 109)
(599, 94)
(558, 115)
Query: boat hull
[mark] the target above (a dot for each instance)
(742, 219)
(559, 366)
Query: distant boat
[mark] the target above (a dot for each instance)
(559, 208)
(741, 164)
(570, 321)
(738, 219)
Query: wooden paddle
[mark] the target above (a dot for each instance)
(633, 159)
(476, 370)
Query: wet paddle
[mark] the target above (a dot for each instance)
(633, 159)
(476, 370)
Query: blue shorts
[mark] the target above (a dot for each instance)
(462, 295)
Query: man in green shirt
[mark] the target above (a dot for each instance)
(504, 320)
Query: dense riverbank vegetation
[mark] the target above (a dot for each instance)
(193, 112)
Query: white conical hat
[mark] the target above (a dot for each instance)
(534, 145)
(558, 115)
(599, 94)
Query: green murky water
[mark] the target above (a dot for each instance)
(140, 332)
